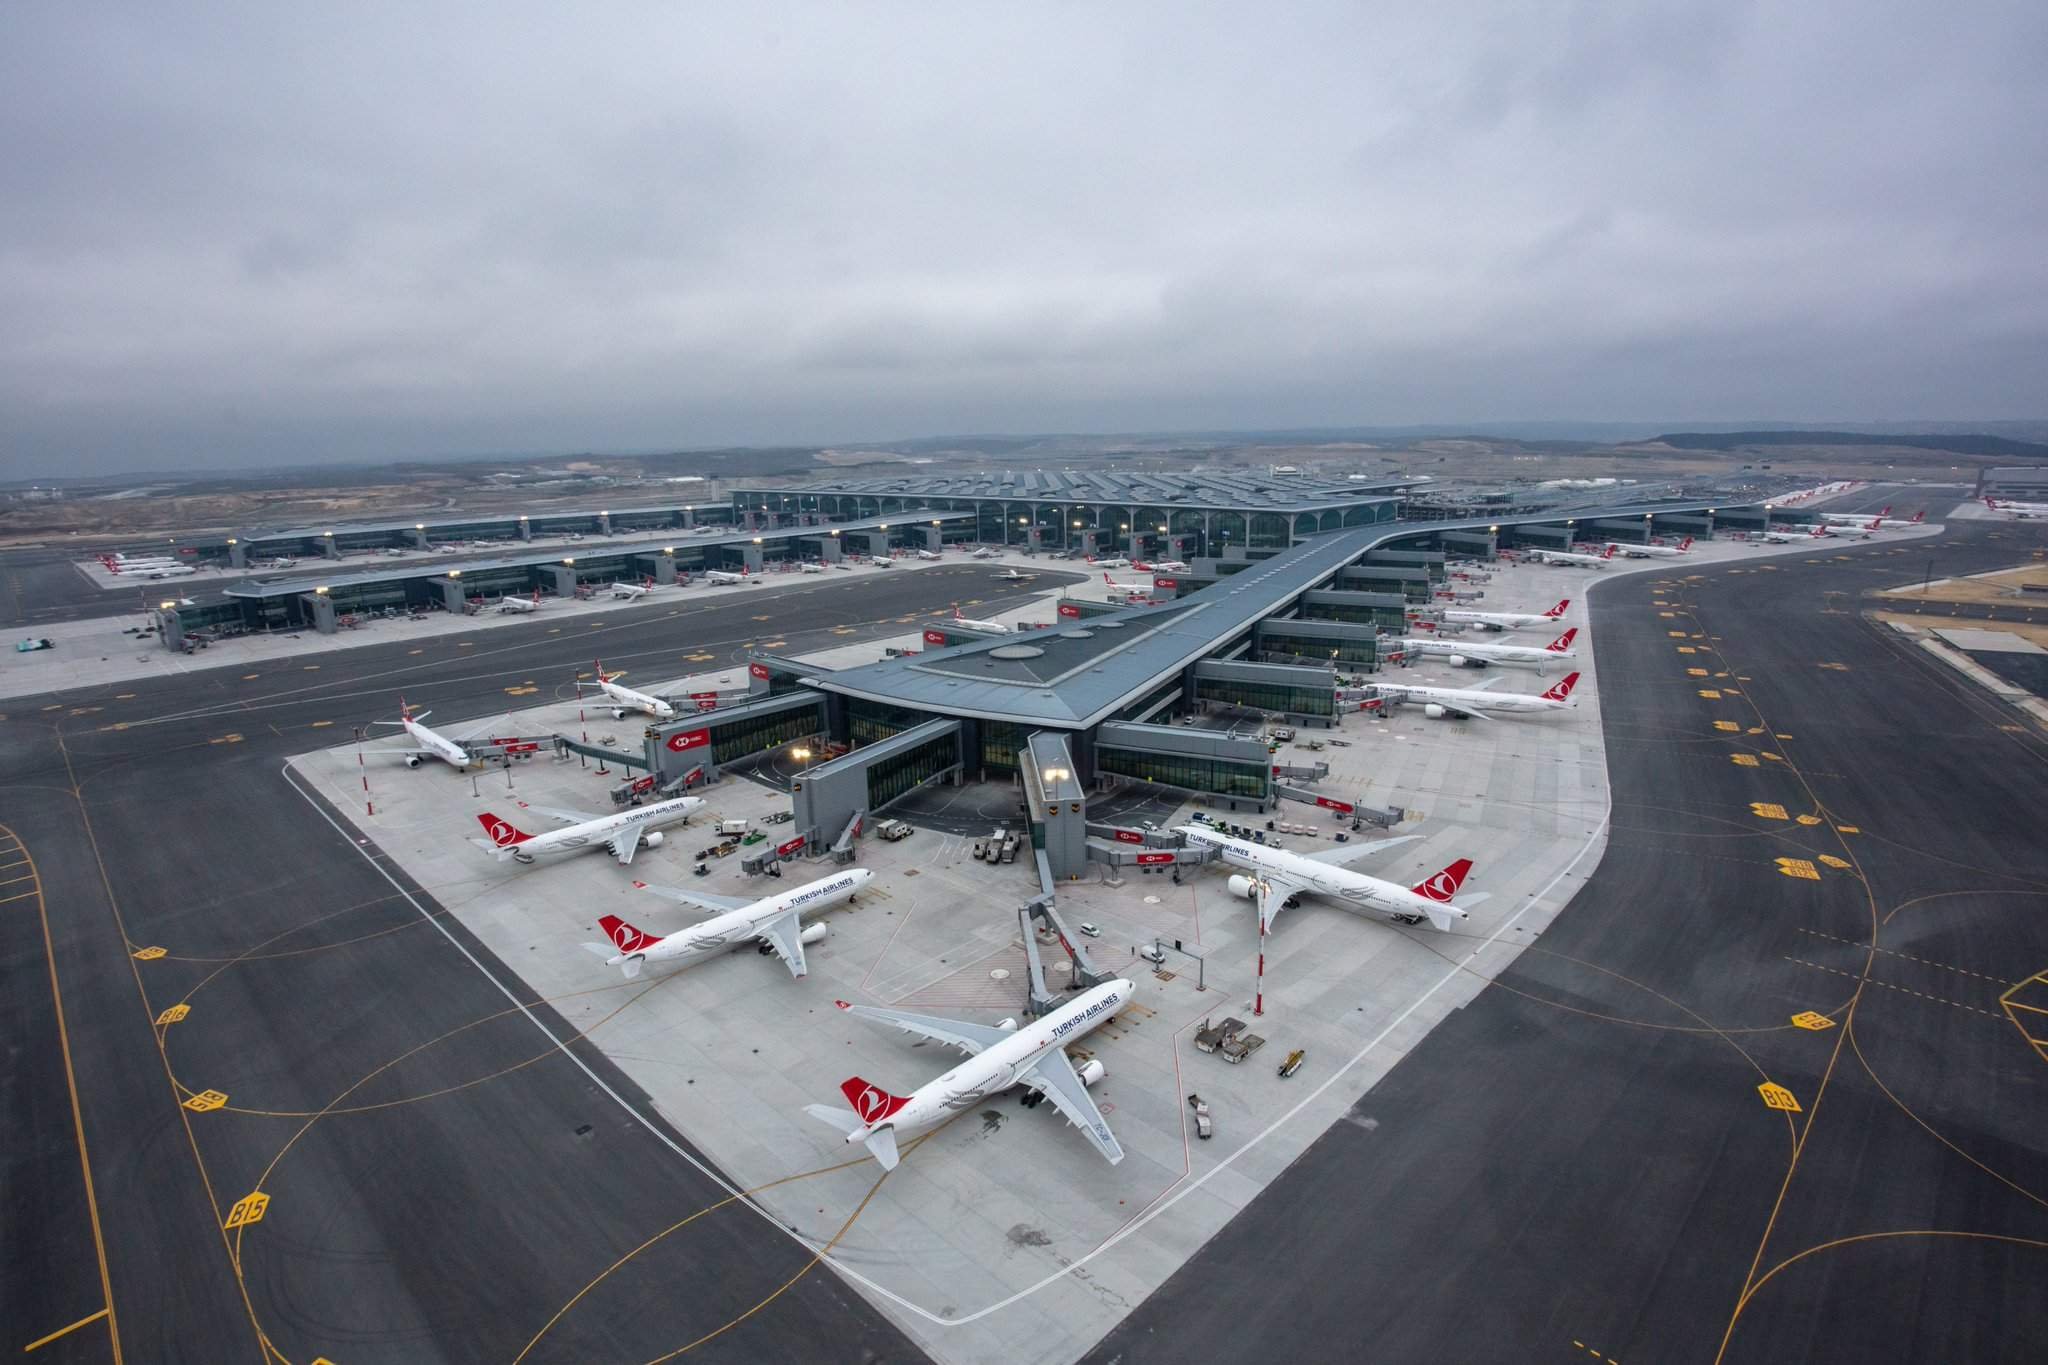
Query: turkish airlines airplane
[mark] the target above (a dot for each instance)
(432, 744)
(1279, 877)
(996, 627)
(999, 1056)
(622, 833)
(929, 554)
(1819, 532)
(1566, 559)
(2022, 510)
(811, 566)
(1113, 563)
(1463, 655)
(1128, 587)
(1651, 551)
(1507, 620)
(1466, 703)
(985, 553)
(721, 578)
(625, 699)
(520, 606)
(1012, 576)
(1160, 566)
(776, 922)
(632, 592)
(168, 571)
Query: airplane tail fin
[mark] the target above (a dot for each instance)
(1444, 885)
(629, 942)
(1563, 642)
(1919, 516)
(1563, 689)
(502, 832)
(1887, 510)
(871, 1102)
(1610, 553)
(1559, 609)
(1685, 544)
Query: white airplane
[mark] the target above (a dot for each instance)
(1280, 877)
(1878, 521)
(1128, 587)
(774, 921)
(622, 833)
(632, 592)
(1507, 620)
(1160, 565)
(1460, 654)
(1011, 575)
(432, 744)
(519, 606)
(996, 627)
(170, 571)
(929, 554)
(625, 699)
(1466, 703)
(1795, 537)
(1651, 551)
(985, 553)
(2023, 510)
(719, 577)
(1566, 559)
(281, 562)
(811, 566)
(123, 564)
(999, 1056)
(1117, 563)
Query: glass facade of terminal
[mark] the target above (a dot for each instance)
(737, 739)
(1301, 701)
(1320, 648)
(1000, 741)
(891, 777)
(1186, 771)
(869, 721)
(1149, 705)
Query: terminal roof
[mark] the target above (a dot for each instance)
(1232, 490)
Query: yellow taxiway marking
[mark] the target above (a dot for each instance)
(1674, 634)
(232, 737)
(65, 1331)
(249, 1209)
(1711, 694)
(20, 897)
(1799, 868)
(1839, 864)
(521, 691)
(1847, 829)
(206, 1101)
(1687, 649)
(124, 696)
(319, 724)
(1780, 736)
(1695, 672)
(1810, 1020)
(844, 630)
(173, 1015)
(1778, 1097)
(149, 954)
(309, 668)
(251, 677)
(699, 658)
(1728, 725)
(771, 644)
(1769, 810)
(24, 877)
(763, 618)
(1667, 615)
(1744, 760)
(1810, 820)
(1834, 668)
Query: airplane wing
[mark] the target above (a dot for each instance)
(1343, 855)
(1274, 893)
(562, 817)
(1486, 683)
(969, 1038)
(785, 935)
(711, 904)
(1055, 1078)
(624, 845)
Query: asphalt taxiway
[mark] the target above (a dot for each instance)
(446, 1167)
(1598, 1158)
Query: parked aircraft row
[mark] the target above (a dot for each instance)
(2023, 511)
(1472, 654)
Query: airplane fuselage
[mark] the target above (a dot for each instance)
(1336, 883)
(722, 933)
(1471, 699)
(443, 748)
(597, 833)
(1517, 654)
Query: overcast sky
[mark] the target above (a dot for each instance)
(241, 234)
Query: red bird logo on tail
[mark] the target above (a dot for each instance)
(871, 1102)
(1445, 884)
(625, 936)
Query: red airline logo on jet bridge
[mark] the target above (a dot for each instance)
(935, 637)
(1067, 610)
(1129, 836)
(688, 739)
(1327, 803)
(1166, 582)
(784, 850)
(759, 671)
(642, 784)
(510, 747)
(1153, 859)
(699, 696)
(707, 703)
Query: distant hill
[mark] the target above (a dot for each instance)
(1987, 447)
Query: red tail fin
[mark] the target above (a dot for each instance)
(1685, 544)
(871, 1102)
(1444, 884)
(1610, 552)
(1563, 689)
(1563, 642)
(1919, 516)
(625, 937)
(1887, 510)
(502, 833)
(1559, 609)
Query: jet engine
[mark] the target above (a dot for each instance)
(1242, 886)
(652, 839)
(1007, 1025)
(414, 760)
(618, 713)
(1437, 711)
(1461, 661)
(813, 933)
(1091, 1071)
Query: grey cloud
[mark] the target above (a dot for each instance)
(261, 234)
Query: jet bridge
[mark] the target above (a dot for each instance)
(1041, 999)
